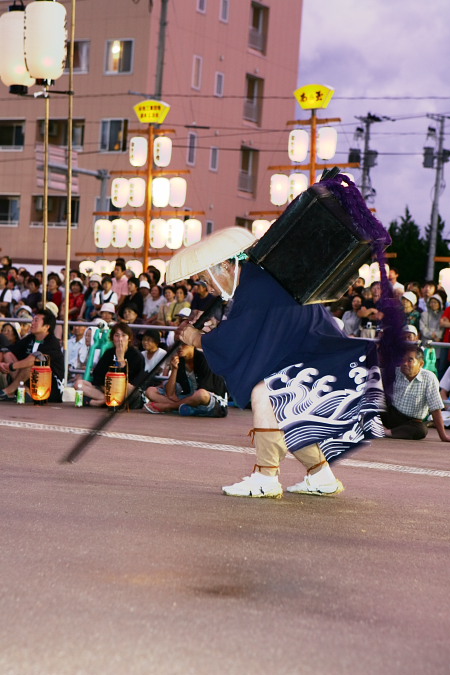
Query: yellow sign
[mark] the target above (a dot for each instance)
(152, 112)
(314, 96)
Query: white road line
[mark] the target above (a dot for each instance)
(80, 431)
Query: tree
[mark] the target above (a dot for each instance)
(410, 248)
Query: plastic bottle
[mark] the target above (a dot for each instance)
(21, 394)
(79, 396)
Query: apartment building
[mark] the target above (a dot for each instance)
(228, 71)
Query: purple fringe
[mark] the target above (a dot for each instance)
(392, 344)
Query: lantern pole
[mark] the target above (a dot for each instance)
(148, 195)
(313, 151)
(45, 198)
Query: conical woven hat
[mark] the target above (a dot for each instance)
(211, 250)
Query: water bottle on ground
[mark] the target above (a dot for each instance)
(21, 394)
(79, 396)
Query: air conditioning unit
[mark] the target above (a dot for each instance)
(39, 203)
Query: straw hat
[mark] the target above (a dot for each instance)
(211, 250)
(53, 308)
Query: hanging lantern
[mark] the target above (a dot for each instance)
(175, 231)
(160, 265)
(104, 266)
(45, 39)
(137, 192)
(279, 189)
(138, 151)
(103, 233)
(350, 176)
(178, 188)
(444, 279)
(326, 142)
(86, 267)
(298, 183)
(119, 232)
(115, 386)
(41, 378)
(160, 192)
(120, 192)
(364, 273)
(158, 232)
(162, 151)
(192, 231)
(260, 227)
(136, 228)
(13, 70)
(135, 266)
(298, 145)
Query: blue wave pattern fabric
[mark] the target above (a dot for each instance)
(269, 336)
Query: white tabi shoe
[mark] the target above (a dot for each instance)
(256, 485)
(322, 483)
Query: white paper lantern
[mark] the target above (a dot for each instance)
(158, 232)
(298, 145)
(326, 142)
(178, 188)
(136, 229)
(120, 192)
(160, 265)
(12, 63)
(298, 183)
(119, 232)
(444, 279)
(103, 233)
(104, 266)
(175, 232)
(45, 39)
(260, 227)
(135, 266)
(160, 192)
(162, 150)
(137, 192)
(279, 189)
(365, 273)
(138, 151)
(192, 231)
(350, 176)
(86, 267)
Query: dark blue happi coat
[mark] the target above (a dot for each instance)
(324, 387)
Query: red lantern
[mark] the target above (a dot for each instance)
(41, 378)
(116, 383)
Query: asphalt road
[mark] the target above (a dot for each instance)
(131, 561)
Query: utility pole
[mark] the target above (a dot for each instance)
(441, 156)
(161, 49)
(369, 156)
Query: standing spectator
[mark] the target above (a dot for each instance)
(428, 289)
(396, 285)
(106, 294)
(133, 298)
(5, 295)
(120, 281)
(76, 298)
(369, 313)
(409, 302)
(352, 322)
(107, 312)
(430, 321)
(155, 275)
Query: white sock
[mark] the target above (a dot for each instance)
(325, 475)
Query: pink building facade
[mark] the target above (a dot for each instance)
(229, 71)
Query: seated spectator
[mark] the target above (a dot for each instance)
(192, 388)
(153, 353)
(5, 295)
(53, 292)
(410, 333)
(430, 321)
(152, 304)
(202, 297)
(144, 290)
(133, 298)
(369, 313)
(88, 310)
(165, 311)
(106, 294)
(21, 356)
(12, 332)
(154, 274)
(15, 293)
(107, 312)
(124, 354)
(180, 303)
(24, 312)
(34, 297)
(409, 302)
(415, 395)
(77, 350)
(352, 322)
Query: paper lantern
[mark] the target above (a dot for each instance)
(158, 232)
(86, 267)
(160, 265)
(136, 229)
(135, 266)
(192, 231)
(137, 192)
(160, 192)
(444, 279)
(13, 70)
(103, 233)
(119, 232)
(120, 192)
(350, 176)
(41, 379)
(115, 386)
(326, 142)
(298, 145)
(298, 183)
(104, 266)
(178, 188)
(260, 227)
(138, 151)
(45, 39)
(162, 151)
(279, 189)
(364, 272)
(175, 232)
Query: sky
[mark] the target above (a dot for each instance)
(388, 58)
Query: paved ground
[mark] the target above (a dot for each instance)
(132, 562)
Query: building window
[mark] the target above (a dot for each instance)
(58, 132)
(224, 10)
(57, 211)
(106, 205)
(197, 72)
(9, 211)
(259, 25)
(248, 170)
(119, 56)
(192, 148)
(80, 56)
(253, 99)
(12, 134)
(114, 136)
(209, 226)
(214, 159)
(244, 222)
(218, 88)
(201, 6)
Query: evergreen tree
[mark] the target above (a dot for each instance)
(411, 249)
